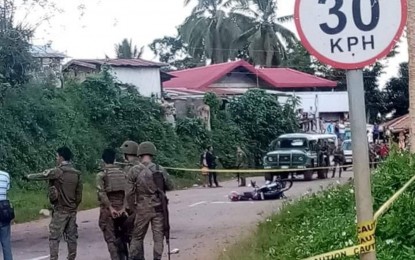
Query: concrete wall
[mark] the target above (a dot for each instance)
(183, 105)
(326, 102)
(146, 80)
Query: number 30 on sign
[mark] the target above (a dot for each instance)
(350, 34)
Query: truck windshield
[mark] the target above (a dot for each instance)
(291, 143)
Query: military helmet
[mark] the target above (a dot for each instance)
(147, 148)
(129, 147)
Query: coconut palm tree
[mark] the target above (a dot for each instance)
(411, 42)
(125, 50)
(208, 29)
(263, 31)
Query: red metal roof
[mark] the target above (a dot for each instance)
(289, 78)
(202, 77)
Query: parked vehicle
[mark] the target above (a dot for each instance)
(348, 153)
(297, 152)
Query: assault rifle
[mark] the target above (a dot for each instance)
(161, 192)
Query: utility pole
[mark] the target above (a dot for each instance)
(362, 187)
(410, 34)
(337, 35)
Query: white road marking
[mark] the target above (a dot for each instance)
(221, 202)
(197, 203)
(40, 257)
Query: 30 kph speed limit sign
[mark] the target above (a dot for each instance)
(350, 34)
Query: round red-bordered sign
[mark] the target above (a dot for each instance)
(310, 14)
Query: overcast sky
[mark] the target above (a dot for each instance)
(90, 28)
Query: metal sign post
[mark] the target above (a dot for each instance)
(352, 34)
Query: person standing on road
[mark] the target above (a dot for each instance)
(111, 184)
(342, 130)
(241, 163)
(205, 168)
(65, 195)
(129, 149)
(338, 161)
(6, 216)
(211, 162)
(143, 187)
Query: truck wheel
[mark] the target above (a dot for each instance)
(322, 174)
(308, 175)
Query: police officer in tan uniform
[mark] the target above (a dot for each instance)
(111, 183)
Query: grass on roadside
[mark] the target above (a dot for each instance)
(28, 203)
(326, 221)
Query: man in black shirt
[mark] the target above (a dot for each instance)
(211, 164)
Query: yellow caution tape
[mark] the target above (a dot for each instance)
(255, 170)
(348, 251)
(366, 232)
(259, 170)
(392, 199)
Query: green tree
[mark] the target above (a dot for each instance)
(16, 62)
(397, 92)
(126, 50)
(208, 28)
(263, 31)
(262, 119)
(299, 59)
(174, 51)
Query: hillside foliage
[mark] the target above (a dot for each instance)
(96, 114)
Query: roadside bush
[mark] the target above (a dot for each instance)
(326, 221)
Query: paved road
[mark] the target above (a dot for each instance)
(203, 222)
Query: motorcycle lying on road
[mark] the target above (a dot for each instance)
(270, 191)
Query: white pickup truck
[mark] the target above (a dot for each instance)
(348, 153)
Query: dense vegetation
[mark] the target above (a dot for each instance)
(326, 221)
(93, 115)
(96, 114)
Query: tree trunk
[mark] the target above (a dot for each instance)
(411, 68)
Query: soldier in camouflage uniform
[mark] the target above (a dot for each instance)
(142, 189)
(65, 195)
(111, 182)
(129, 149)
(241, 163)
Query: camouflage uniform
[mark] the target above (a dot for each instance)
(142, 189)
(65, 194)
(338, 161)
(111, 193)
(129, 148)
(241, 163)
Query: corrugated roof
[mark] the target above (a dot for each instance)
(124, 62)
(45, 51)
(202, 77)
(289, 78)
(398, 124)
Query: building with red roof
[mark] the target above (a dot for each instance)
(226, 78)
(316, 94)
